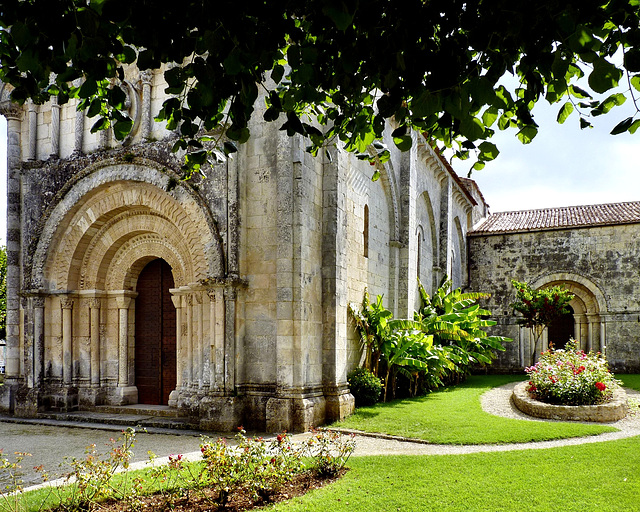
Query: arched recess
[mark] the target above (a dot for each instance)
(588, 305)
(429, 250)
(459, 260)
(103, 230)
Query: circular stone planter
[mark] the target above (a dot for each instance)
(614, 410)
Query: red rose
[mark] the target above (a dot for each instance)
(601, 386)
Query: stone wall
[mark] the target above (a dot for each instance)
(598, 264)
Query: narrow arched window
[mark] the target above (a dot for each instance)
(365, 231)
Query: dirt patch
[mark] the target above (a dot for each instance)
(201, 500)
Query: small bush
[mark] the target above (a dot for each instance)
(571, 377)
(365, 386)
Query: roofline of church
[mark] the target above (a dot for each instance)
(478, 231)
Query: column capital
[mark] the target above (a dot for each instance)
(66, 302)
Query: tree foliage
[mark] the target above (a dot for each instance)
(539, 308)
(339, 69)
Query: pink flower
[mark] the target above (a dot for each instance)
(601, 386)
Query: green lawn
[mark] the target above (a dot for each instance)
(454, 416)
(600, 476)
(630, 381)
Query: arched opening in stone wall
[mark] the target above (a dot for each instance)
(92, 265)
(588, 307)
(562, 329)
(155, 334)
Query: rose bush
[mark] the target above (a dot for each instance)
(571, 377)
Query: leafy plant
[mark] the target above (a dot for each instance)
(329, 451)
(539, 308)
(372, 324)
(445, 338)
(571, 377)
(365, 387)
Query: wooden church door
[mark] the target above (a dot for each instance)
(155, 363)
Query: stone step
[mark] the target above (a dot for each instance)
(125, 418)
(141, 409)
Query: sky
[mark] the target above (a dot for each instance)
(563, 166)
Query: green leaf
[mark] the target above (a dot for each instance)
(340, 17)
(584, 123)
(471, 128)
(527, 134)
(635, 81)
(578, 92)
(634, 126)
(425, 104)
(622, 126)
(565, 112)
(403, 143)
(478, 166)
(100, 124)
(122, 128)
(277, 73)
(489, 116)
(488, 151)
(89, 88)
(229, 148)
(604, 76)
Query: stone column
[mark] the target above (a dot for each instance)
(13, 113)
(123, 340)
(603, 334)
(216, 328)
(145, 125)
(188, 304)
(55, 127)
(79, 125)
(127, 394)
(38, 341)
(94, 308)
(67, 355)
(230, 295)
(198, 343)
(33, 131)
(177, 302)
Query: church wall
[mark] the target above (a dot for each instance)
(603, 261)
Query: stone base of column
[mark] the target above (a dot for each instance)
(124, 395)
(294, 414)
(90, 397)
(339, 405)
(220, 413)
(7, 398)
(28, 402)
(173, 398)
(61, 399)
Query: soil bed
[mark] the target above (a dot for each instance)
(200, 500)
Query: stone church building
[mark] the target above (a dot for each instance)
(226, 298)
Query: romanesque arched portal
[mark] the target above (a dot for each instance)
(107, 228)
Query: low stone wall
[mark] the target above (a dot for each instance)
(614, 410)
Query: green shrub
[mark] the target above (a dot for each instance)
(571, 377)
(365, 386)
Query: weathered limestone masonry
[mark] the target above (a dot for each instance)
(594, 251)
(226, 297)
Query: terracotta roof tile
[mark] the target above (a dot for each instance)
(559, 218)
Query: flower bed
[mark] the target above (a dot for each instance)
(614, 410)
(571, 377)
(571, 384)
